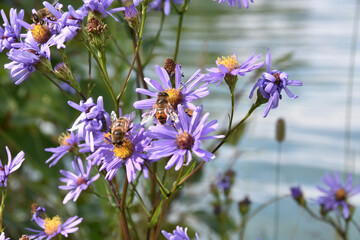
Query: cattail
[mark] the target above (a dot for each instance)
(280, 130)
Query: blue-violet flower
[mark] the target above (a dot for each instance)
(10, 167)
(178, 234)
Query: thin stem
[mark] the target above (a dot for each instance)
(89, 79)
(122, 211)
(232, 107)
(2, 206)
(132, 224)
(356, 225)
(181, 18)
(277, 183)
(144, 7)
(161, 185)
(141, 201)
(350, 83)
(167, 201)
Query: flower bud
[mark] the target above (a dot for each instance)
(298, 195)
(132, 17)
(62, 71)
(244, 206)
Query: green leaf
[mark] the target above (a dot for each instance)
(155, 216)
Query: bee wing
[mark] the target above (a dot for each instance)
(172, 114)
(113, 117)
(148, 115)
(131, 117)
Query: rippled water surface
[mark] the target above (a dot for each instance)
(318, 35)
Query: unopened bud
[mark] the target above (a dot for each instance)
(62, 71)
(280, 130)
(298, 195)
(132, 17)
(244, 206)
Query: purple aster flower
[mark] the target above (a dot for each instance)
(77, 182)
(183, 140)
(296, 192)
(100, 7)
(65, 25)
(92, 122)
(336, 197)
(130, 154)
(2, 236)
(229, 66)
(183, 93)
(272, 83)
(53, 227)
(11, 32)
(131, 12)
(68, 143)
(225, 180)
(10, 167)
(178, 234)
(232, 3)
(26, 57)
(164, 5)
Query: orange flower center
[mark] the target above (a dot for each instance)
(185, 140)
(340, 194)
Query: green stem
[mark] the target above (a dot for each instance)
(181, 18)
(2, 207)
(277, 183)
(132, 225)
(167, 201)
(232, 107)
(144, 8)
(157, 179)
(141, 201)
(122, 211)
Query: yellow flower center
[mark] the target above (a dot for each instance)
(52, 225)
(175, 97)
(229, 62)
(63, 139)
(125, 150)
(41, 33)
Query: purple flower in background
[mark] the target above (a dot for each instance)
(65, 25)
(11, 31)
(68, 142)
(77, 182)
(92, 122)
(232, 3)
(183, 93)
(100, 7)
(129, 154)
(52, 227)
(131, 12)
(25, 58)
(164, 5)
(337, 195)
(272, 83)
(230, 66)
(2, 236)
(296, 192)
(10, 167)
(183, 140)
(178, 234)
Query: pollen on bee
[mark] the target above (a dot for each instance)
(41, 33)
(175, 96)
(229, 62)
(51, 225)
(125, 150)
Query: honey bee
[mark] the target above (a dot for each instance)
(42, 14)
(161, 109)
(119, 127)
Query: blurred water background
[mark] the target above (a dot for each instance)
(314, 38)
